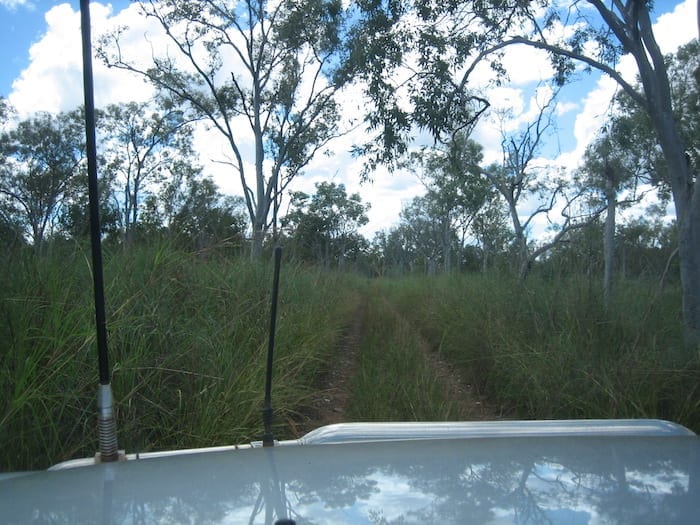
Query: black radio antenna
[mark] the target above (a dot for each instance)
(268, 440)
(105, 420)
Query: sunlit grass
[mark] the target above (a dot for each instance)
(188, 336)
(187, 341)
(394, 381)
(549, 349)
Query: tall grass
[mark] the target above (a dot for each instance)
(550, 349)
(187, 340)
(188, 336)
(394, 381)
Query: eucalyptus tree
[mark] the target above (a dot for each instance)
(5, 110)
(604, 168)
(74, 220)
(141, 148)
(456, 188)
(406, 53)
(426, 234)
(533, 191)
(41, 157)
(620, 171)
(490, 228)
(11, 234)
(260, 73)
(325, 226)
(684, 76)
(391, 252)
(204, 217)
(190, 210)
(646, 247)
(626, 157)
(592, 33)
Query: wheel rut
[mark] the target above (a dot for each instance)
(330, 400)
(457, 388)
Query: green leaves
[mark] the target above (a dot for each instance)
(324, 226)
(41, 157)
(315, 23)
(272, 63)
(142, 149)
(410, 55)
(434, 226)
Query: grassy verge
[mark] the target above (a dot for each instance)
(551, 350)
(188, 338)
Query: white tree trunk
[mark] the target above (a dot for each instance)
(609, 239)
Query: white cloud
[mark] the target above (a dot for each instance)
(526, 65)
(506, 98)
(387, 195)
(566, 107)
(53, 80)
(594, 111)
(677, 27)
(14, 4)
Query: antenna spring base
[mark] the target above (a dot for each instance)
(106, 424)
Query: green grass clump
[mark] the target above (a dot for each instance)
(547, 349)
(187, 338)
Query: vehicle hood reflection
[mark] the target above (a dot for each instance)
(502, 480)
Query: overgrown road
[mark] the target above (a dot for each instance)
(383, 369)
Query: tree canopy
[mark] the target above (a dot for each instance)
(266, 67)
(41, 157)
(325, 226)
(140, 148)
(438, 45)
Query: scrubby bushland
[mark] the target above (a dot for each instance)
(549, 349)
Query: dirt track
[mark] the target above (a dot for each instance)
(330, 402)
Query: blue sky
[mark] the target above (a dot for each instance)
(48, 78)
(19, 30)
(22, 23)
